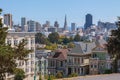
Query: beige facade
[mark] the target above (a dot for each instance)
(28, 66)
(78, 63)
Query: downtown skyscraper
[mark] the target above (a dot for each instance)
(8, 20)
(88, 21)
(23, 23)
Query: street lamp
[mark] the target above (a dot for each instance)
(49, 75)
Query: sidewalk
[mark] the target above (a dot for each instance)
(95, 77)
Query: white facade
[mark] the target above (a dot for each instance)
(28, 66)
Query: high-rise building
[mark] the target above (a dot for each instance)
(23, 23)
(56, 24)
(31, 26)
(8, 20)
(106, 25)
(73, 26)
(88, 21)
(47, 23)
(65, 23)
(38, 27)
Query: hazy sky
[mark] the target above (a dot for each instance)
(42, 10)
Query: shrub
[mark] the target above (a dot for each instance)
(59, 75)
(52, 77)
(73, 75)
(108, 71)
(40, 77)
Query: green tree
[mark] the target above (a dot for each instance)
(77, 38)
(66, 40)
(19, 74)
(0, 19)
(113, 46)
(71, 45)
(9, 55)
(53, 37)
(51, 47)
(71, 39)
(20, 51)
(40, 38)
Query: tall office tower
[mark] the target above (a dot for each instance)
(88, 21)
(47, 23)
(23, 23)
(8, 20)
(31, 26)
(38, 27)
(65, 23)
(73, 26)
(56, 24)
(26, 28)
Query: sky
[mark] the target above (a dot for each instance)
(52, 10)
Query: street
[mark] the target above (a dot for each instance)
(99, 77)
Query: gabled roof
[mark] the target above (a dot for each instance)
(77, 49)
(101, 42)
(61, 54)
(83, 48)
(99, 48)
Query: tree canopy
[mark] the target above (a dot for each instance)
(77, 38)
(66, 40)
(19, 74)
(53, 37)
(40, 38)
(114, 46)
(9, 55)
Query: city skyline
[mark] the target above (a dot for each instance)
(54, 10)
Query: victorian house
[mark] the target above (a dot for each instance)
(100, 60)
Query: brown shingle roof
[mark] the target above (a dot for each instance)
(61, 54)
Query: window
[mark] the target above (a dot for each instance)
(91, 66)
(15, 42)
(27, 63)
(78, 60)
(32, 62)
(32, 69)
(22, 62)
(32, 55)
(32, 48)
(81, 60)
(32, 41)
(94, 55)
(8, 41)
(27, 70)
(45, 62)
(61, 63)
(69, 60)
(28, 56)
(75, 59)
(27, 42)
(95, 66)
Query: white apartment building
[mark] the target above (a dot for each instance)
(28, 66)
